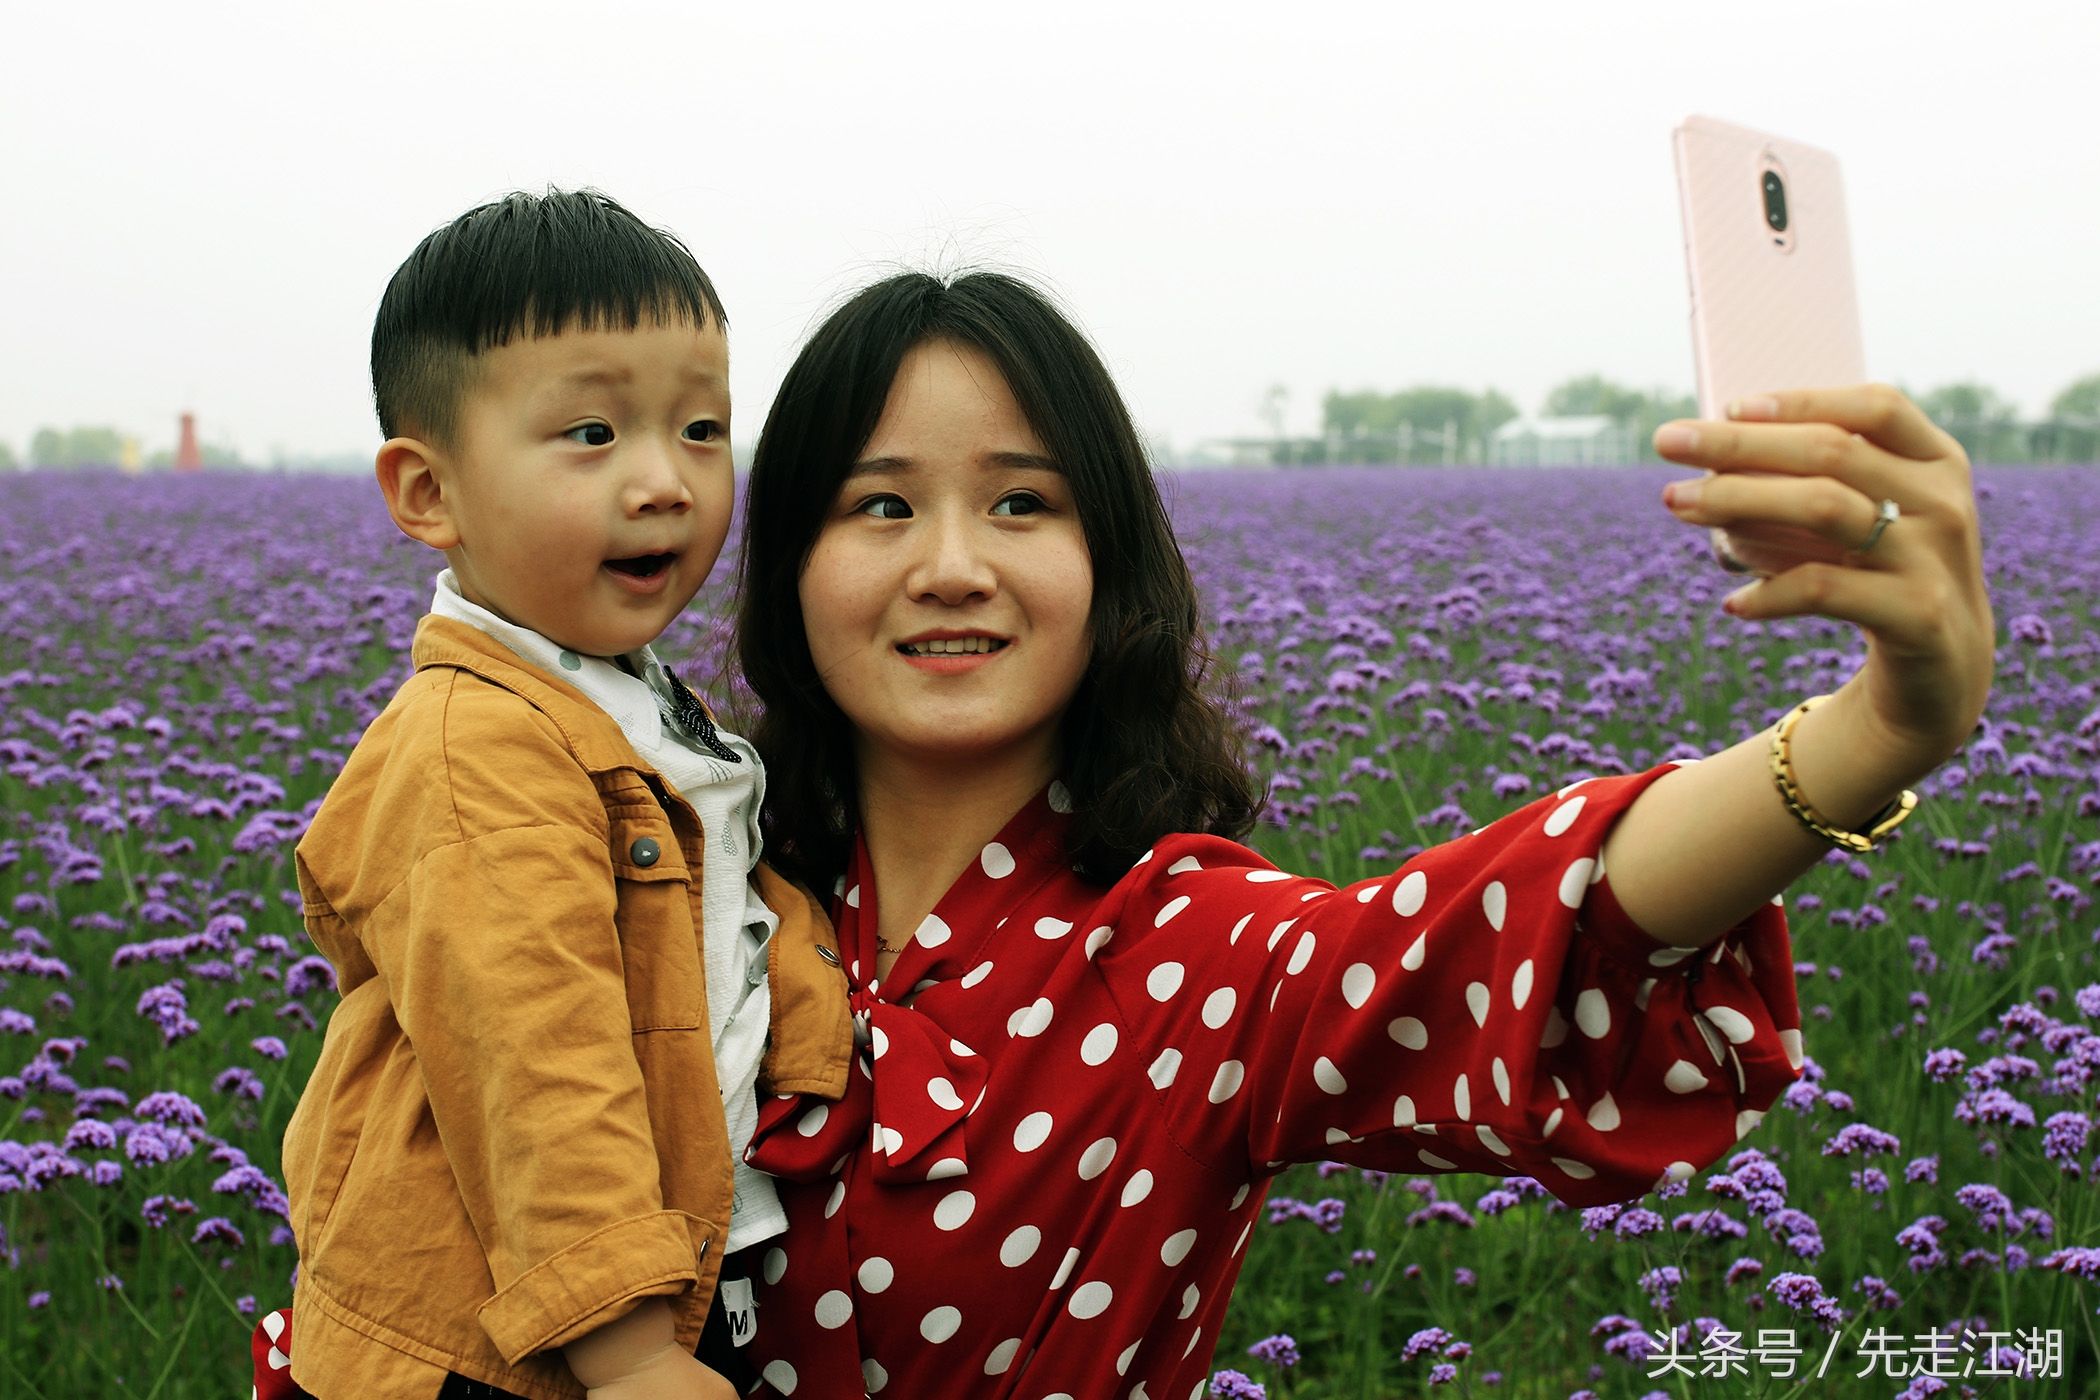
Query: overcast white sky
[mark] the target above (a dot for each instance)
(205, 200)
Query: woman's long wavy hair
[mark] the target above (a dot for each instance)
(1146, 748)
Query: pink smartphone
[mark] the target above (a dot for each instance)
(1773, 302)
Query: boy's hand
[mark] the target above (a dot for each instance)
(636, 1357)
(670, 1374)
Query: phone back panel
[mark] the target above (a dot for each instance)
(1767, 312)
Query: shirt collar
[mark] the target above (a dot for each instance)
(630, 701)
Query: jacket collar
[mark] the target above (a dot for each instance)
(593, 735)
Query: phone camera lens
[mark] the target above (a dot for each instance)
(1775, 201)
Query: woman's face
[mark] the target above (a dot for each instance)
(947, 597)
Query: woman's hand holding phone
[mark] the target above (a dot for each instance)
(1821, 462)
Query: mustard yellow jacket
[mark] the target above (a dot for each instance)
(514, 1130)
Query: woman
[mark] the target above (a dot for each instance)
(1092, 1026)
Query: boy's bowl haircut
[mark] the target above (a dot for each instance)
(525, 264)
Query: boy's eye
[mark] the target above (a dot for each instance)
(884, 508)
(703, 430)
(1021, 503)
(590, 434)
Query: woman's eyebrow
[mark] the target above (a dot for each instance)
(880, 466)
(1026, 461)
(1009, 461)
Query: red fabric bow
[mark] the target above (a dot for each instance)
(914, 1089)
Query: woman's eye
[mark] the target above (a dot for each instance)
(704, 430)
(1019, 503)
(884, 508)
(590, 434)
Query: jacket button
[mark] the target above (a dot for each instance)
(827, 955)
(645, 851)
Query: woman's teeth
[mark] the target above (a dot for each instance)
(953, 646)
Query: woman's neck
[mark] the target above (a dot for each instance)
(924, 822)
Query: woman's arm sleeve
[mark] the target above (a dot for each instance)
(1488, 1007)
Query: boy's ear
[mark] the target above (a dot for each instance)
(408, 472)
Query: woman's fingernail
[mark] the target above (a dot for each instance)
(1758, 408)
(1676, 437)
(1683, 494)
(1733, 603)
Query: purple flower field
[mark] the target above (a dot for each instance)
(185, 662)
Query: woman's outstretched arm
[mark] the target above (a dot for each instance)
(1709, 843)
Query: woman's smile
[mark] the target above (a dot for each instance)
(952, 653)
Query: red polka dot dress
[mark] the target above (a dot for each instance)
(1070, 1100)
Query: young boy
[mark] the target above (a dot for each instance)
(518, 1166)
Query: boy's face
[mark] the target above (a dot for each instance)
(589, 481)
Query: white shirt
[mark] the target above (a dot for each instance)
(736, 924)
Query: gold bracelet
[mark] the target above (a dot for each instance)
(1878, 825)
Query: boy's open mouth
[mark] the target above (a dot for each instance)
(641, 565)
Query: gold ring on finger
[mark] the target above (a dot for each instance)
(1887, 515)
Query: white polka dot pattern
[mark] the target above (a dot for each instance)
(1164, 981)
(1018, 1198)
(1562, 817)
(1165, 1069)
(955, 1210)
(1494, 904)
(1020, 1246)
(1091, 1299)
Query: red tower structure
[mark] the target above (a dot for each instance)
(188, 458)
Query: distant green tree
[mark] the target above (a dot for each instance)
(1353, 414)
(1275, 407)
(1658, 407)
(94, 447)
(1428, 407)
(76, 447)
(1638, 412)
(1980, 418)
(1444, 421)
(2080, 399)
(2074, 418)
(1491, 410)
(1663, 405)
(7, 458)
(1422, 423)
(1359, 426)
(1594, 394)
